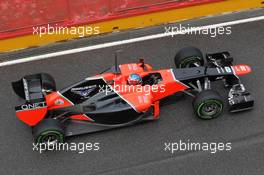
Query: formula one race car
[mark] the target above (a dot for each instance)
(127, 94)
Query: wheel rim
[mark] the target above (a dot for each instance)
(50, 137)
(210, 109)
(191, 62)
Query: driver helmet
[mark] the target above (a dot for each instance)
(134, 79)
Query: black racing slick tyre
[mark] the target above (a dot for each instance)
(49, 131)
(189, 57)
(208, 104)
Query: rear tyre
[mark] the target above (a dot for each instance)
(49, 131)
(189, 57)
(208, 104)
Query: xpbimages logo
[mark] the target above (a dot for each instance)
(76, 147)
(81, 31)
(212, 147)
(212, 31)
(147, 89)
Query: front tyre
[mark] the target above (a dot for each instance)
(49, 131)
(189, 57)
(208, 104)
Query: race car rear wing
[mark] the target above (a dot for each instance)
(29, 88)
(33, 87)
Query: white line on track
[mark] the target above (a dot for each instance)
(128, 41)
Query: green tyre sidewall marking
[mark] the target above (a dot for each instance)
(207, 117)
(187, 60)
(43, 134)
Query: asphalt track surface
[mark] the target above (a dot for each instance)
(139, 149)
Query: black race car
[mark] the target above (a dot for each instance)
(127, 94)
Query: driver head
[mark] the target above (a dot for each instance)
(134, 79)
